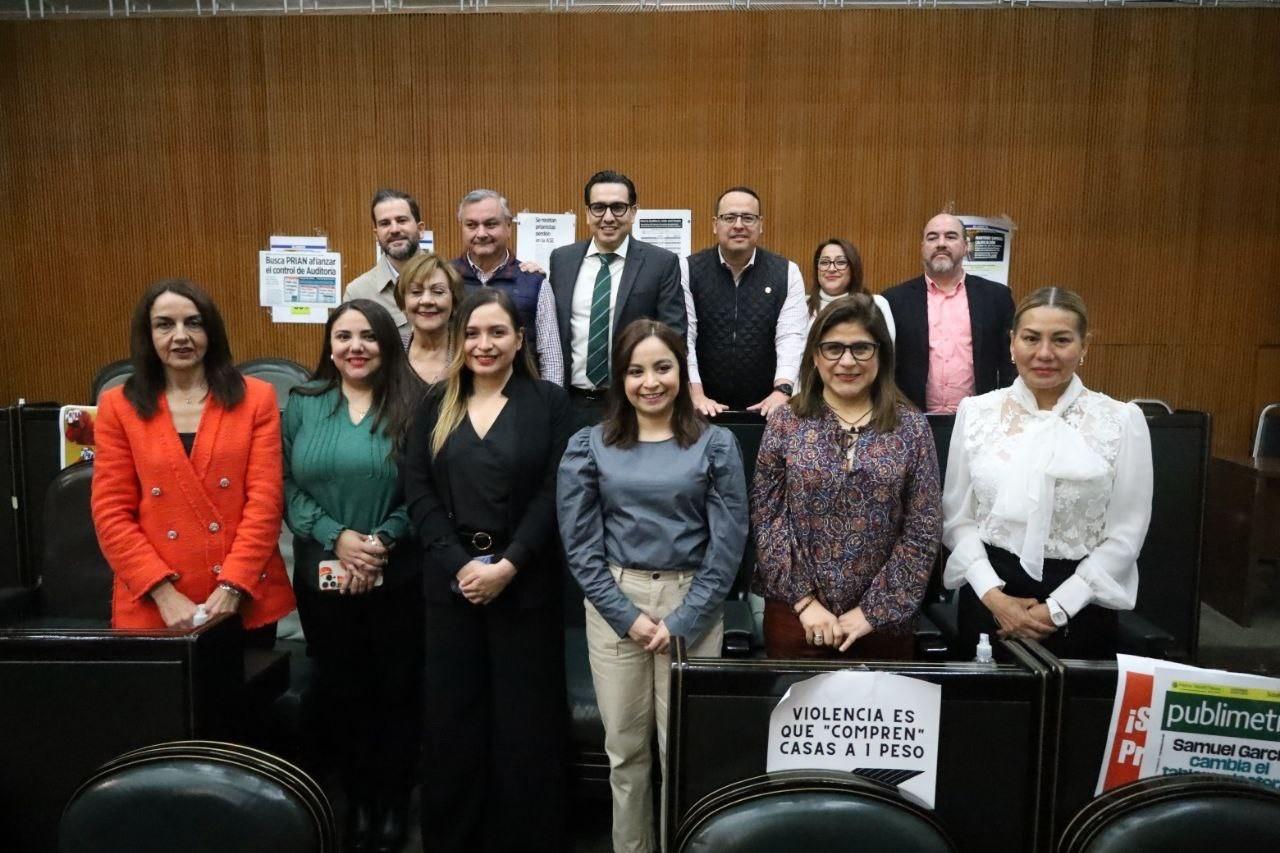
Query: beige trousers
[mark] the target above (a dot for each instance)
(631, 690)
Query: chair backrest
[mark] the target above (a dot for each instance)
(282, 373)
(75, 577)
(110, 376)
(198, 796)
(1185, 812)
(1152, 408)
(810, 811)
(1266, 441)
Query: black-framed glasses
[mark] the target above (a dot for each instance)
(860, 350)
(618, 208)
(833, 263)
(747, 219)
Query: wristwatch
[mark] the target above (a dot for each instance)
(1056, 613)
(785, 387)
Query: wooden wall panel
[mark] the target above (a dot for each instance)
(1138, 151)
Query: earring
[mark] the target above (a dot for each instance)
(1082, 361)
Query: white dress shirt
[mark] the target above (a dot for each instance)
(580, 310)
(788, 337)
(1071, 483)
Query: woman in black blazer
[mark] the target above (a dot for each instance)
(479, 475)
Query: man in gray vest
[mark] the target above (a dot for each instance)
(746, 309)
(397, 225)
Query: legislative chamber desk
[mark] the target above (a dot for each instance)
(1242, 527)
(992, 777)
(73, 698)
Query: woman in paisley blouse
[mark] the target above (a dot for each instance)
(845, 502)
(1048, 494)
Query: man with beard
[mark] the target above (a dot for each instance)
(485, 221)
(953, 328)
(396, 225)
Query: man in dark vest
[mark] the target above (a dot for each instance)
(747, 320)
(485, 220)
(952, 328)
(603, 284)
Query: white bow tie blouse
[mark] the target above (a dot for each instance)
(1072, 483)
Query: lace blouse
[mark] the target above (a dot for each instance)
(1070, 483)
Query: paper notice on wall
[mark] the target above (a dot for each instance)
(537, 234)
(288, 279)
(297, 243)
(990, 242)
(300, 313)
(1207, 721)
(874, 724)
(1130, 720)
(670, 229)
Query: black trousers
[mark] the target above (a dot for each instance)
(496, 728)
(363, 714)
(1092, 634)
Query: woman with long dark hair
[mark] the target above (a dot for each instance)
(653, 516)
(845, 501)
(187, 493)
(354, 573)
(479, 477)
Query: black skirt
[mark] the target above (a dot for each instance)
(1092, 634)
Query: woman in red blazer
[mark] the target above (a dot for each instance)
(187, 484)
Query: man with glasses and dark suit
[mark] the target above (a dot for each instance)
(747, 316)
(603, 284)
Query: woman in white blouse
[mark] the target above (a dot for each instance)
(1047, 495)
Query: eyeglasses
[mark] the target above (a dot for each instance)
(747, 219)
(833, 263)
(860, 350)
(618, 208)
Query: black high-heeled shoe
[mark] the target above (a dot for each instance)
(359, 830)
(392, 824)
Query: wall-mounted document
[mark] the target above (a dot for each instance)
(670, 229)
(538, 233)
(306, 280)
(990, 242)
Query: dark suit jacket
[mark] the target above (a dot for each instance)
(546, 421)
(650, 287)
(990, 317)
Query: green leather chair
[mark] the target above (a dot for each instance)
(1190, 812)
(803, 810)
(198, 797)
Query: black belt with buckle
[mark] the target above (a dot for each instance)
(593, 394)
(479, 541)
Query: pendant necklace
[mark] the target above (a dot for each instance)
(849, 440)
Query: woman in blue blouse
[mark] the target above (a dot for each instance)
(653, 515)
(846, 501)
(342, 431)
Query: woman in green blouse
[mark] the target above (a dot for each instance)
(354, 572)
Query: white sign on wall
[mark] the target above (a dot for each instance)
(537, 234)
(670, 229)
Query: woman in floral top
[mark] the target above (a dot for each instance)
(845, 503)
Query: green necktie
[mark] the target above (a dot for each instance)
(598, 327)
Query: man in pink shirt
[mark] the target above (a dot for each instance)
(953, 328)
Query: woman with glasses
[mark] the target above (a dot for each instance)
(1048, 494)
(837, 271)
(845, 502)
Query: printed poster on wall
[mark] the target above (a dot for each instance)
(670, 229)
(990, 243)
(874, 724)
(537, 234)
(299, 286)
